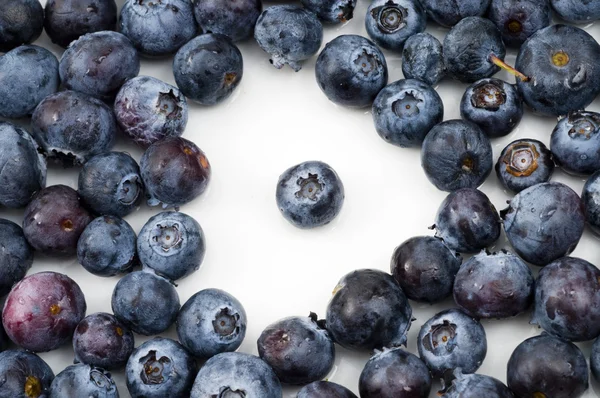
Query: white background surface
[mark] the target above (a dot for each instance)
(278, 118)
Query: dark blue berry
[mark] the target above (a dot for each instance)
(331, 11)
(21, 22)
(595, 359)
(235, 19)
(449, 12)
(423, 59)
(16, 256)
(476, 386)
(591, 201)
(83, 381)
(575, 143)
(325, 389)
(524, 163)
(390, 23)
(576, 11)
(517, 20)
(24, 375)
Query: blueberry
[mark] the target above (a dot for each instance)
(98, 64)
(148, 109)
(452, 340)
(23, 168)
(16, 256)
(101, 340)
(325, 389)
(331, 11)
(390, 23)
(425, 269)
(54, 220)
(563, 75)
(310, 194)
(110, 184)
(160, 368)
(470, 49)
(82, 380)
(158, 28)
(405, 111)
(42, 311)
(27, 75)
(591, 201)
(496, 285)
(449, 12)
(576, 11)
(423, 59)
(174, 171)
(524, 163)
(456, 154)
(289, 34)
(544, 222)
(411, 378)
(67, 20)
(351, 71)
(212, 321)
(476, 386)
(106, 246)
(235, 19)
(517, 20)
(298, 349)
(494, 105)
(21, 22)
(172, 244)
(595, 359)
(24, 375)
(72, 127)
(575, 143)
(208, 68)
(547, 366)
(146, 303)
(368, 310)
(233, 374)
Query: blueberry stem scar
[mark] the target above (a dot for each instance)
(498, 62)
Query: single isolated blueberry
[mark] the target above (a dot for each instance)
(591, 201)
(310, 194)
(21, 22)
(148, 109)
(83, 381)
(67, 20)
(172, 244)
(325, 389)
(72, 127)
(16, 256)
(576, 11)
(423, 59)
(235, 19)
(233, 374)
(575, 143)
(390, 23)
(517, 20)
(544, 222)
(405, 111)
(24, 375)
(595, 359)
(289, 34)
(208, 68)
(331, 11)
(449, 12)
(110, 184)
(475, 386)
(351, 71)
(524, 163)
(106, 246)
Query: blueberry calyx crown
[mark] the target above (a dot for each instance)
(33, 387)
(227, 392)
(321, 323)
(407, 105)
(440, 335)
(129, 190)
(368, 63)
(226, 323)
(521, 159)
(168, 103)
(310, 187)
(489, 96)
(584, 125)
(514, 26)
(101, 379)
(467, 163)
(346, 11)
(154, 369)
(390, 17)
(168, 236)
(560, 58)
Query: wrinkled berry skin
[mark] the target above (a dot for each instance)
(423, 59)
(456, 154)
(298, 349)
(102, 341)
(310, 194)
(405, 111)
(351, 71)
(576, 11)
(54, 220)
(560, 61)
(27, 75)
(449, 12)
(172, 244)
(16, 256)
(494, 105)
(368, 310)
(497, 285)
(544, 222)
(146, 303)
(83, 381)
(477, 386)
(289, 34)
(524, 163)
(67, 20)
(452, 340)
(110, 184)
(106, 246)
(235, 19)
(547, 366)
(517, 20)
(21, 22)
(24, 375)
(22, 167)
(390, 23)
(148, 109)
(595, 359)
(174, 171)
(98, 64)
(411, 376)
(42, 311)
(567, 299)
(160, 368)
(425, 269)
(212, 321)
(575, 143)
(325, 389)
(208, 68)
(331, 11)
(72, 127)
(590, 198)
(234, 373)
